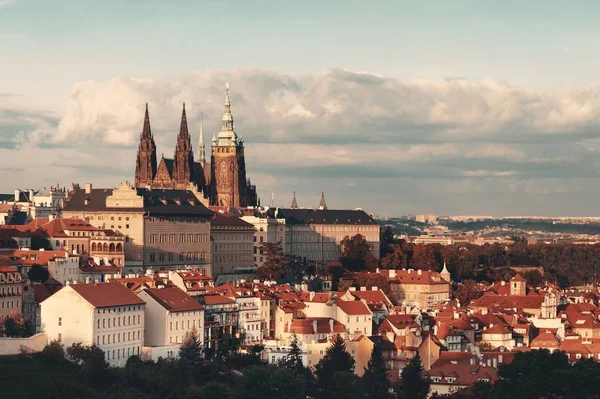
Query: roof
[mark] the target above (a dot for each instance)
(173, 299)
(41, 292)
(217, 299)
(155, 201)
(410, 276)
(107, 295)
(228, 219)
(325, 216)
(463, 374)
(545, 339)
(31, 257)
(353, 308)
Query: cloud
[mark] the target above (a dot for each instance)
(369, 140)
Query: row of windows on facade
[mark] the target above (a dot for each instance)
(116, 321)
(234, 258)
(9, 291)
(232, 237)
(111, 218)
(183, 238)
(120, 309)
(130, 352)
(118, 338)
(176, 220)
(9, 304)
(182, 256)
(233, 247)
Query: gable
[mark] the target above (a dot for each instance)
(163, 172)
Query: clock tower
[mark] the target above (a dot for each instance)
(229, 186)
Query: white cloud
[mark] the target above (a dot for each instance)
(359, 136)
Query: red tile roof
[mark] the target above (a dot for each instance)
(173, 299)
(353, 308)
(107, 295)
(217, 299)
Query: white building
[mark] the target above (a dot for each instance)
(250, 319)
(108, 315)
(170, 314)
(356, 317)
(64, 269)
(267, 230)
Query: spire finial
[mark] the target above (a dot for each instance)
(294, 202)
(146, 132)
(183, 128)
(322, 204)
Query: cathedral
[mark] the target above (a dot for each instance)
(222, 181)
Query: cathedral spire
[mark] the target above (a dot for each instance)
(201, 148)
(322, 204)
(294, 202)
(146, 132)
(183, 128)
(145, 165)
(227, 136)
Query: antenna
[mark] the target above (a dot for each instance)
(272, 197)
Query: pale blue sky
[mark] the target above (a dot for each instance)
(418, 140)
(45, 46)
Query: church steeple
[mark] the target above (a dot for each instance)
(322, 204)
(201, 148)
(227, 136)
(183, 162)
(294, 202)
(145, 166)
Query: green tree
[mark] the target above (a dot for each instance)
(344, 385)
(386, 239)
(275, 261)
(190, 351)
(336, 359)
(375, 381)
(214, 390)
(293, 360)
(14, 325)
(93, 366)
(38, 274)
(395, 258)
(467, 291)
(53, 354)
(269, 382)
(357, 254)
(414, 383)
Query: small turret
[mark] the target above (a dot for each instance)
(322, 204)
(294, 202)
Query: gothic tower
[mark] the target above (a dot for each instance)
(145, 166)
(229, 186)
(183, 161)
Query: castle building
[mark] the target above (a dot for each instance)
(223, 181)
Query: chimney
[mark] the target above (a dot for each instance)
(363, 288)
(393, 273)
(419, 272)
(30, 195)
(52, 216)
(331, 325)
(495, 363)
(410, 271)
(374, 288)
(17, 195)
(503, 283)
(88, 188)
(314, 326)
(500, 359)
(472, 361)
(311, 295)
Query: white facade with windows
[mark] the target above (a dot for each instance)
(90, 318)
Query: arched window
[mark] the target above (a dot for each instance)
(111, 248)
(119, 247)
(93, 247)
(105, 247)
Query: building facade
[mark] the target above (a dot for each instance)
(163, 229)
(223, 181)
(315, 234)
(232, 245)
(107, 315)
(266, 230)
(170, 315)
(11, 291)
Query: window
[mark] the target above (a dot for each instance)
(60, 321)
(59, 337)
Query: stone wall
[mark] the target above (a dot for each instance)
(14, 346)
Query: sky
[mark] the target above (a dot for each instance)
(397, 107)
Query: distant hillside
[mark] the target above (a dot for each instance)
(529, 225)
